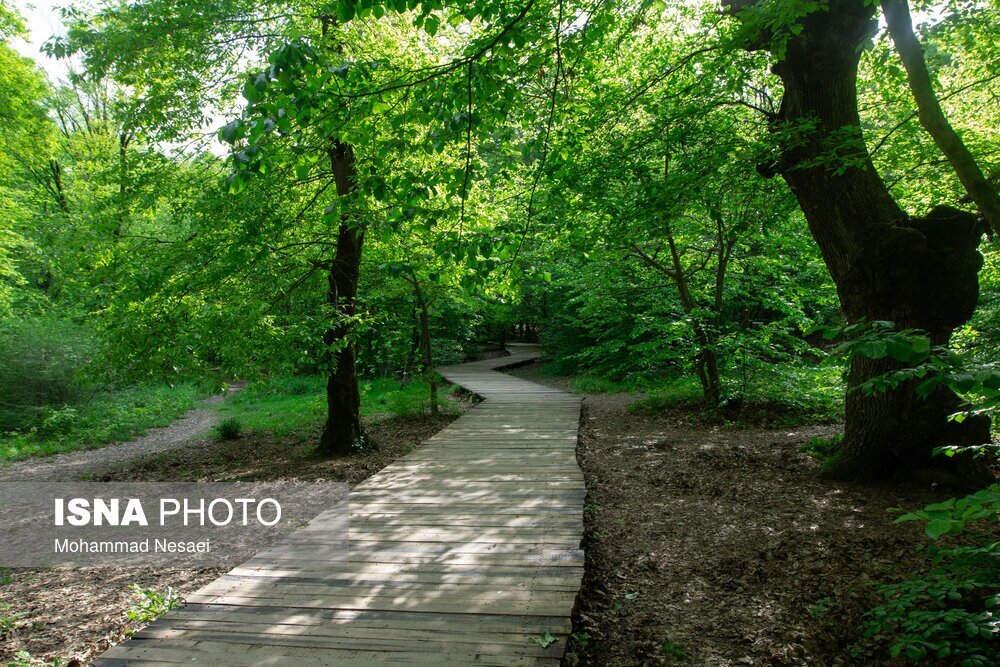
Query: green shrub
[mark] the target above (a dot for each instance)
(58, 422)
(230, 428)
(950, 611)
(596, 385)
(149, 605)
(680, 391)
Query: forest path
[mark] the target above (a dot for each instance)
(464, 552)
(84, 463)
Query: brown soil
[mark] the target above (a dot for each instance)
(726, 546)
(75, 614)
(263, 457)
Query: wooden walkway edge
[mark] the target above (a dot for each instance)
(464, 552)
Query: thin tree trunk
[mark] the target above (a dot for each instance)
(343, 432)
(123, 142)
(411, 355)
(57, 185)
(897, 16)
(425, 344)
(706, 362)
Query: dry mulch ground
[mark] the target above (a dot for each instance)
(722, 546)
(74, 614)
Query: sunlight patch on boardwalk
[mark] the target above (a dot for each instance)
(466, 551)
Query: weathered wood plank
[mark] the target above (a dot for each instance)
(462, 552)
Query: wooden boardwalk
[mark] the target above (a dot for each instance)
(464, 552)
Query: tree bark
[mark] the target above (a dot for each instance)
(425, 343)
(343, 432)
(917, 273)
(123, 143)
(897, 16)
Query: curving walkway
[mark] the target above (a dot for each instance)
(465, 552)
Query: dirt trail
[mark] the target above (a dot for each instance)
(82, 464)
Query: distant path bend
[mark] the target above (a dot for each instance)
(465, 552)
(82, 463)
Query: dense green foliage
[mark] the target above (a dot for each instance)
(583, 174)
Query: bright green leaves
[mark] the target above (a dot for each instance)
(953, 515)
(878, 340)
(928, 367)
(778, 20)
(235, 184)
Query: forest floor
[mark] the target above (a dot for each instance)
(706, 544)
(80, 464)
(74, 614)
(714, 545)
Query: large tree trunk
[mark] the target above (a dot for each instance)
(343, 432)
(916, 273)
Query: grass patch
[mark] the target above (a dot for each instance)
(107, 416)
(668, 394)
(588, 384)
(821, 448)
(285, 405)
(230, 428)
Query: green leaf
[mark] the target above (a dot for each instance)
(345, 10)
(251, 93)
(235, 184)
(546, 639)
(431, 24)
(230, 132)
(938, 527)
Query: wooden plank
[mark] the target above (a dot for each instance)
(461, 552)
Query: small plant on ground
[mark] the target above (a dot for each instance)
(230, 428)
(546, 639)
(149, 605)
(24, 659)
(364, 445)
(673, 650)
(8, 618)
(821, 447)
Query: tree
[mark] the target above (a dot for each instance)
(917, 272)
(897, 16)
